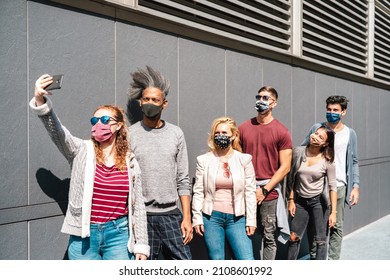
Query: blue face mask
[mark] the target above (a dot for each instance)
(261, 106)
(333, 118)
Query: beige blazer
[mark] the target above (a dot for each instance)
(244, 186)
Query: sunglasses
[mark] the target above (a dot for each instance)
(103, 120)
(263, 97)
(226, 172)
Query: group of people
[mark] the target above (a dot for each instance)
(126, 182)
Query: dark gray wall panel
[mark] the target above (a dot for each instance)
(303, 101)
(202, 93)
(345, 88)
(279, 76)
(137, 47)
(13, 242)
(372, 102)
(81, 46)
(370, 196)
(13, 84)
(384, 191)
(244, 77)
(384, 120)
(54, 244)
(358, 106)
(325, 86)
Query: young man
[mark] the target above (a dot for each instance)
(161, 151)
(269, 142)
(347, 167)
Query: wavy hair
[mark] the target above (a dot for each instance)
(234, 129)
(121, 143)
(328, 150)
(145, 78)
(337, 99)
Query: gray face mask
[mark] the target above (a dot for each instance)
(262, 106)
(151, 110)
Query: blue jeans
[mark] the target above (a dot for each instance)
(309, 209)
(107, 241)
(219, 226)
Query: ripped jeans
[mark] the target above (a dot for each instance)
(313, 210)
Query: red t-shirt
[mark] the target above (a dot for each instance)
(110, 194)
(264, 142)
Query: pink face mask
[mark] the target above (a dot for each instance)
(101, 132)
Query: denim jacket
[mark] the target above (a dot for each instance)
(352, 168)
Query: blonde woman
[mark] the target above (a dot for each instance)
(224, 201)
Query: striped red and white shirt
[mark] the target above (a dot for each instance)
(110, 194)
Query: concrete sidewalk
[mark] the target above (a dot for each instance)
(371, 242)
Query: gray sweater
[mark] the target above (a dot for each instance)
(162, 156)
(81, 157)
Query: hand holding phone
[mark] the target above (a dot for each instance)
(57, 82)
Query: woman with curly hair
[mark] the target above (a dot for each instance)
(106, 217)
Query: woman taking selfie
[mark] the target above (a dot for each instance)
(106, 216)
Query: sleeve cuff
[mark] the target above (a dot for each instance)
(42, 110)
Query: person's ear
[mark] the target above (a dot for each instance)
(165, 103)
(119, 126)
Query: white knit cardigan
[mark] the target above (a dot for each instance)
(81, 157)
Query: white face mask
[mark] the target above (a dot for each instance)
(262, 106)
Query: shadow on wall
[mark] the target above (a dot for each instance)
(56, 189)
(133, 111)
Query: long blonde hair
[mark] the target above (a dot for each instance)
(121, 143)
(233, 127)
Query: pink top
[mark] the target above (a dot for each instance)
(110, 194)
(223, 201)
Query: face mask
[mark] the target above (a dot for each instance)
(101, 132)
(150, 110)
(262, 106)
(222, 141)
(333, 118)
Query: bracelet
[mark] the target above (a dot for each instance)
(290, 198)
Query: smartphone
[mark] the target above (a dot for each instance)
(57, 82)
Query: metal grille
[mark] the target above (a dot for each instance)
(335, 34)
(263, 23)
(382, 42)
(348, 36)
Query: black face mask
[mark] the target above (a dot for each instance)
(222, 141)
(151, 110)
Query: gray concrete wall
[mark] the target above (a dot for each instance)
(96, 53)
